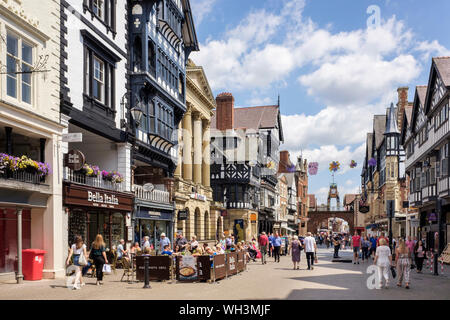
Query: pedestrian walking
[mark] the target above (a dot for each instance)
(383, 260)
(365, 245)
(419, 254)
(263, 242)
(271, 245)
(410, 244)
(286, 245)
(373, 246)
(403, 262)
(310, 250)
(295, 249)
(76, 250)
(276, 247)
(337, 246)
(356, 244)
(98, 254)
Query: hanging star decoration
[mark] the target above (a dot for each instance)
(372, 162)
(270, 165)
(335, 166)
(313, 168)
(353, 164)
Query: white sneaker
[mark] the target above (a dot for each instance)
(76, 287)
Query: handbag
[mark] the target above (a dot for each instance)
(106, 269)
(393, 271)
(82, 260)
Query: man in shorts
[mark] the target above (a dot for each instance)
(356, 243)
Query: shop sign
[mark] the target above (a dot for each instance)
(198, 196)
(415, 223)
(72, 137)
(89, 197)
(182, 215)
(186, 268)
(154, 213)
(432, 216)
(364, 209)
(74, 160)
(253, 218)
(220, 270)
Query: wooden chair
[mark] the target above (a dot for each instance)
(113, 260)
(127, 270)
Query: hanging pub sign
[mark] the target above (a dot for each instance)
(74, 160)
(432, 217)
(364, 209)
(182, 215)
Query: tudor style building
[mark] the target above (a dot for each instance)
(244, 162)
(161, 37)
(30, 199)
(426, 140)
(383, 173)
(97, 177)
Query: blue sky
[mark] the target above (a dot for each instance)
(332, 70)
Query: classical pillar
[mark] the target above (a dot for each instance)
(206, 176)
(198, 148)
(180, 153)
(187, 145)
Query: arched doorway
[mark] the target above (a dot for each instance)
(197, 226)
(206, 226)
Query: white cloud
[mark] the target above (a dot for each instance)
(433, 48)
(201, 8)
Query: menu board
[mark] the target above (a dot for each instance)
(187, 268)
(220, 270)
(159, 268)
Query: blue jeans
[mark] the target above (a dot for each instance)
(84, 269)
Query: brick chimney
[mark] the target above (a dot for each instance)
(401, 105)
(284, 162)
(225, 111)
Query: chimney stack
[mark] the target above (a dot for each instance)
(401, 105)
(284, 161)
(225, 111)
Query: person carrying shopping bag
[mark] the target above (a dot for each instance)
(98, 254)
(383, 260)
(78, 252)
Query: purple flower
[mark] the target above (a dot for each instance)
(372, 162)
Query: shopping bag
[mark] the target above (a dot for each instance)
(82, 260)
(394, 272)
(107, 269)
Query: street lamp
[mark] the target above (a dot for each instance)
(136, 112)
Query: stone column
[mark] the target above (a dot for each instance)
(197, 148)
(187, 145)
(206, 154)
(178, 170)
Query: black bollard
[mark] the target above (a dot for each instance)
(146, 273)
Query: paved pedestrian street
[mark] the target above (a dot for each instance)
(328, 280)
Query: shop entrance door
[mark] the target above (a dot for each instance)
(153, 230)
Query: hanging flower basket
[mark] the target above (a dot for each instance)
(372, 162)
(12, 164)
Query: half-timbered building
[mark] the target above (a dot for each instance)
(161, 37)
(427, 141)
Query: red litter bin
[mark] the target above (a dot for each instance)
(32, 264)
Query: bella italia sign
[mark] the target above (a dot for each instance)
(97, 197)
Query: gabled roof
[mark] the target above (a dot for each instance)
(443, 67)
(379, 127)
(440, 67)
(203, 83)
(419, 99)
(264, 117)
(349, 198)
(407, 117)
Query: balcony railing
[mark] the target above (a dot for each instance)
(22, 177)
(97, 182)
(157, 196)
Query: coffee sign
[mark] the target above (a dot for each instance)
(74, 160)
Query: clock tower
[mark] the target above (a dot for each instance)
(333, 193)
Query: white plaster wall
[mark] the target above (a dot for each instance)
(75, 74)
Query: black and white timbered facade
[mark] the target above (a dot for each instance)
(427, 143)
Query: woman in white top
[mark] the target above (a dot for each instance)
(77, 249)
(383, 260)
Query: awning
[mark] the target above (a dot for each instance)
(22, 198)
